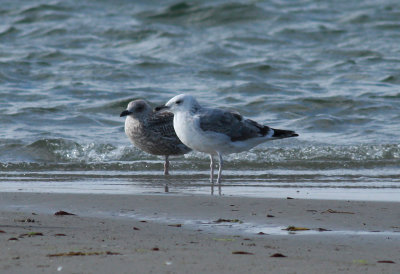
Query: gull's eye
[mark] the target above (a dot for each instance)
(179, 102)
(139, 108)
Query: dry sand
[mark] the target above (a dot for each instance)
(195, 234)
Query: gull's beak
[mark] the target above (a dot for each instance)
(125, 113)
(159, 108)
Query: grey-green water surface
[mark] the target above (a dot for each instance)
(327, 69)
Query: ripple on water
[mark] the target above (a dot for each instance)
(327, 70)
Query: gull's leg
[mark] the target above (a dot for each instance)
(166, 165)
(211, 169)
(221, 163)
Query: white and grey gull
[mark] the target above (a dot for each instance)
(217, 131)
(152, 132)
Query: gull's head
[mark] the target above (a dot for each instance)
(181, 103)
(137, 109)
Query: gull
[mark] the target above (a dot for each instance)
(152, 132)
(217, 131)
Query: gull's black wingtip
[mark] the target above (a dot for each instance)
(281, 133)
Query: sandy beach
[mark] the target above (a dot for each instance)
(195, 234)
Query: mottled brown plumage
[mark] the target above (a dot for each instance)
(152, 132)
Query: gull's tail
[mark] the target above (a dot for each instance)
(281, 133)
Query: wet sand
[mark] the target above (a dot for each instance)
(197, 234)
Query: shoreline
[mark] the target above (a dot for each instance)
(194, 233)
(384, 194)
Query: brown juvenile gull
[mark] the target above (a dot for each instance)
(152, 132)
(217, 131)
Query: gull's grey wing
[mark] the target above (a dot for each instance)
(231, 124)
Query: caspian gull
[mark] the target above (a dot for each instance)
(217, 131)
(152, 132)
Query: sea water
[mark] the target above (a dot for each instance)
(330, 70)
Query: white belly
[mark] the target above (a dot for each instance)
(189, 132)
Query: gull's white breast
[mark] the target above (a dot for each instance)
(187, 127)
